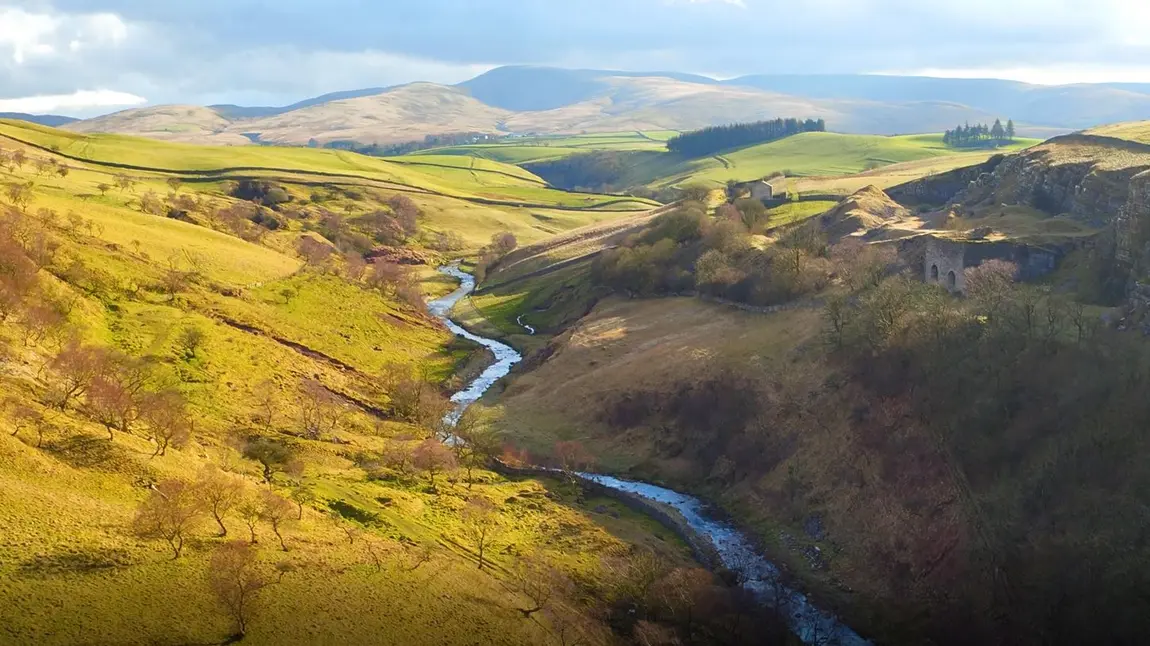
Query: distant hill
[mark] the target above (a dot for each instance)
(540, 100)
(1067, 106)
(51, 120)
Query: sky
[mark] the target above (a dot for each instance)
(86, 57)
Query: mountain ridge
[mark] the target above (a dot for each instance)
(533, 100)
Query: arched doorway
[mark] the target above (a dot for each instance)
(934, 273)
(951, 280)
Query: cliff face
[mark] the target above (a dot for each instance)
(942, 187)
(1088, 177)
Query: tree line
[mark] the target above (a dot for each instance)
(707, 141)
(979, 135)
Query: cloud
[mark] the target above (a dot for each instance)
(255, 52)
(27, 35)
(78, 101)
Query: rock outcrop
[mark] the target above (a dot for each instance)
(867, 209)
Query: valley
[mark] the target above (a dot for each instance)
(783, 375)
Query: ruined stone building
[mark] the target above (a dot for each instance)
(946, 261)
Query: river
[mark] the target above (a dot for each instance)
(735, 550)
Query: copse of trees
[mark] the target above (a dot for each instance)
(980, 135)
(699, 143)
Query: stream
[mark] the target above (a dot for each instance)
(736, 552)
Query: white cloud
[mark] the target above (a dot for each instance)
(78, 101)
(26, 35)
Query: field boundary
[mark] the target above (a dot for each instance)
(229, 174)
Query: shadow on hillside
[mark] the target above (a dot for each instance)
(89, 452)
(76, 560)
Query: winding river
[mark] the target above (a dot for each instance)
(736, 552)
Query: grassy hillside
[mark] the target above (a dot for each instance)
(272, 342)
(808, 155)
(1133, 130)
(535, 149)
(485, 181)
(473, 198)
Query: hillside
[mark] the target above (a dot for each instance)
(532, 100)
(854, 420)
(453, 187)
(812, 160)
(150, 355)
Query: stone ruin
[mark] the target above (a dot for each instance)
(946, 261)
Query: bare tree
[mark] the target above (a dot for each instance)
(478, 445)
(103, 187)
(320, 409)
(573, 457)
(237, 580)
(481, 525)
(302, 494)
(73, 370)
(174, 183)
(169, 512)
(315, 253)
(166, 416)
(115, 396)
(124, 182)
(19, 194)
(220, 492)
(250, 510)
(276, 511)
(432, 457)
(539, 582)
(398, 453)
(24, 416)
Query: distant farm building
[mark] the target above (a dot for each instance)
(765, 191)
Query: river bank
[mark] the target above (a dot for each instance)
(729, 547)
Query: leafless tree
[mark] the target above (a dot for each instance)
(169, 424)
(276, 511)
(539, 582)
(481, 525)
(103, 187)
(478, 445)
(315, 253)
(74, 369)
(250, 510)
(302, 494)
(320, 409)
(220, 492)
(175, 183)
(432, 457)
(25, 416)
(169, 512)
(124, 182)
(236, 580)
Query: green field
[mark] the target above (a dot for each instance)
(483, 181)
(804, 155)
(815, 154)
(537, 149)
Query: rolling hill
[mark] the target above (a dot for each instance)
(540, 101)
(216, 314)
